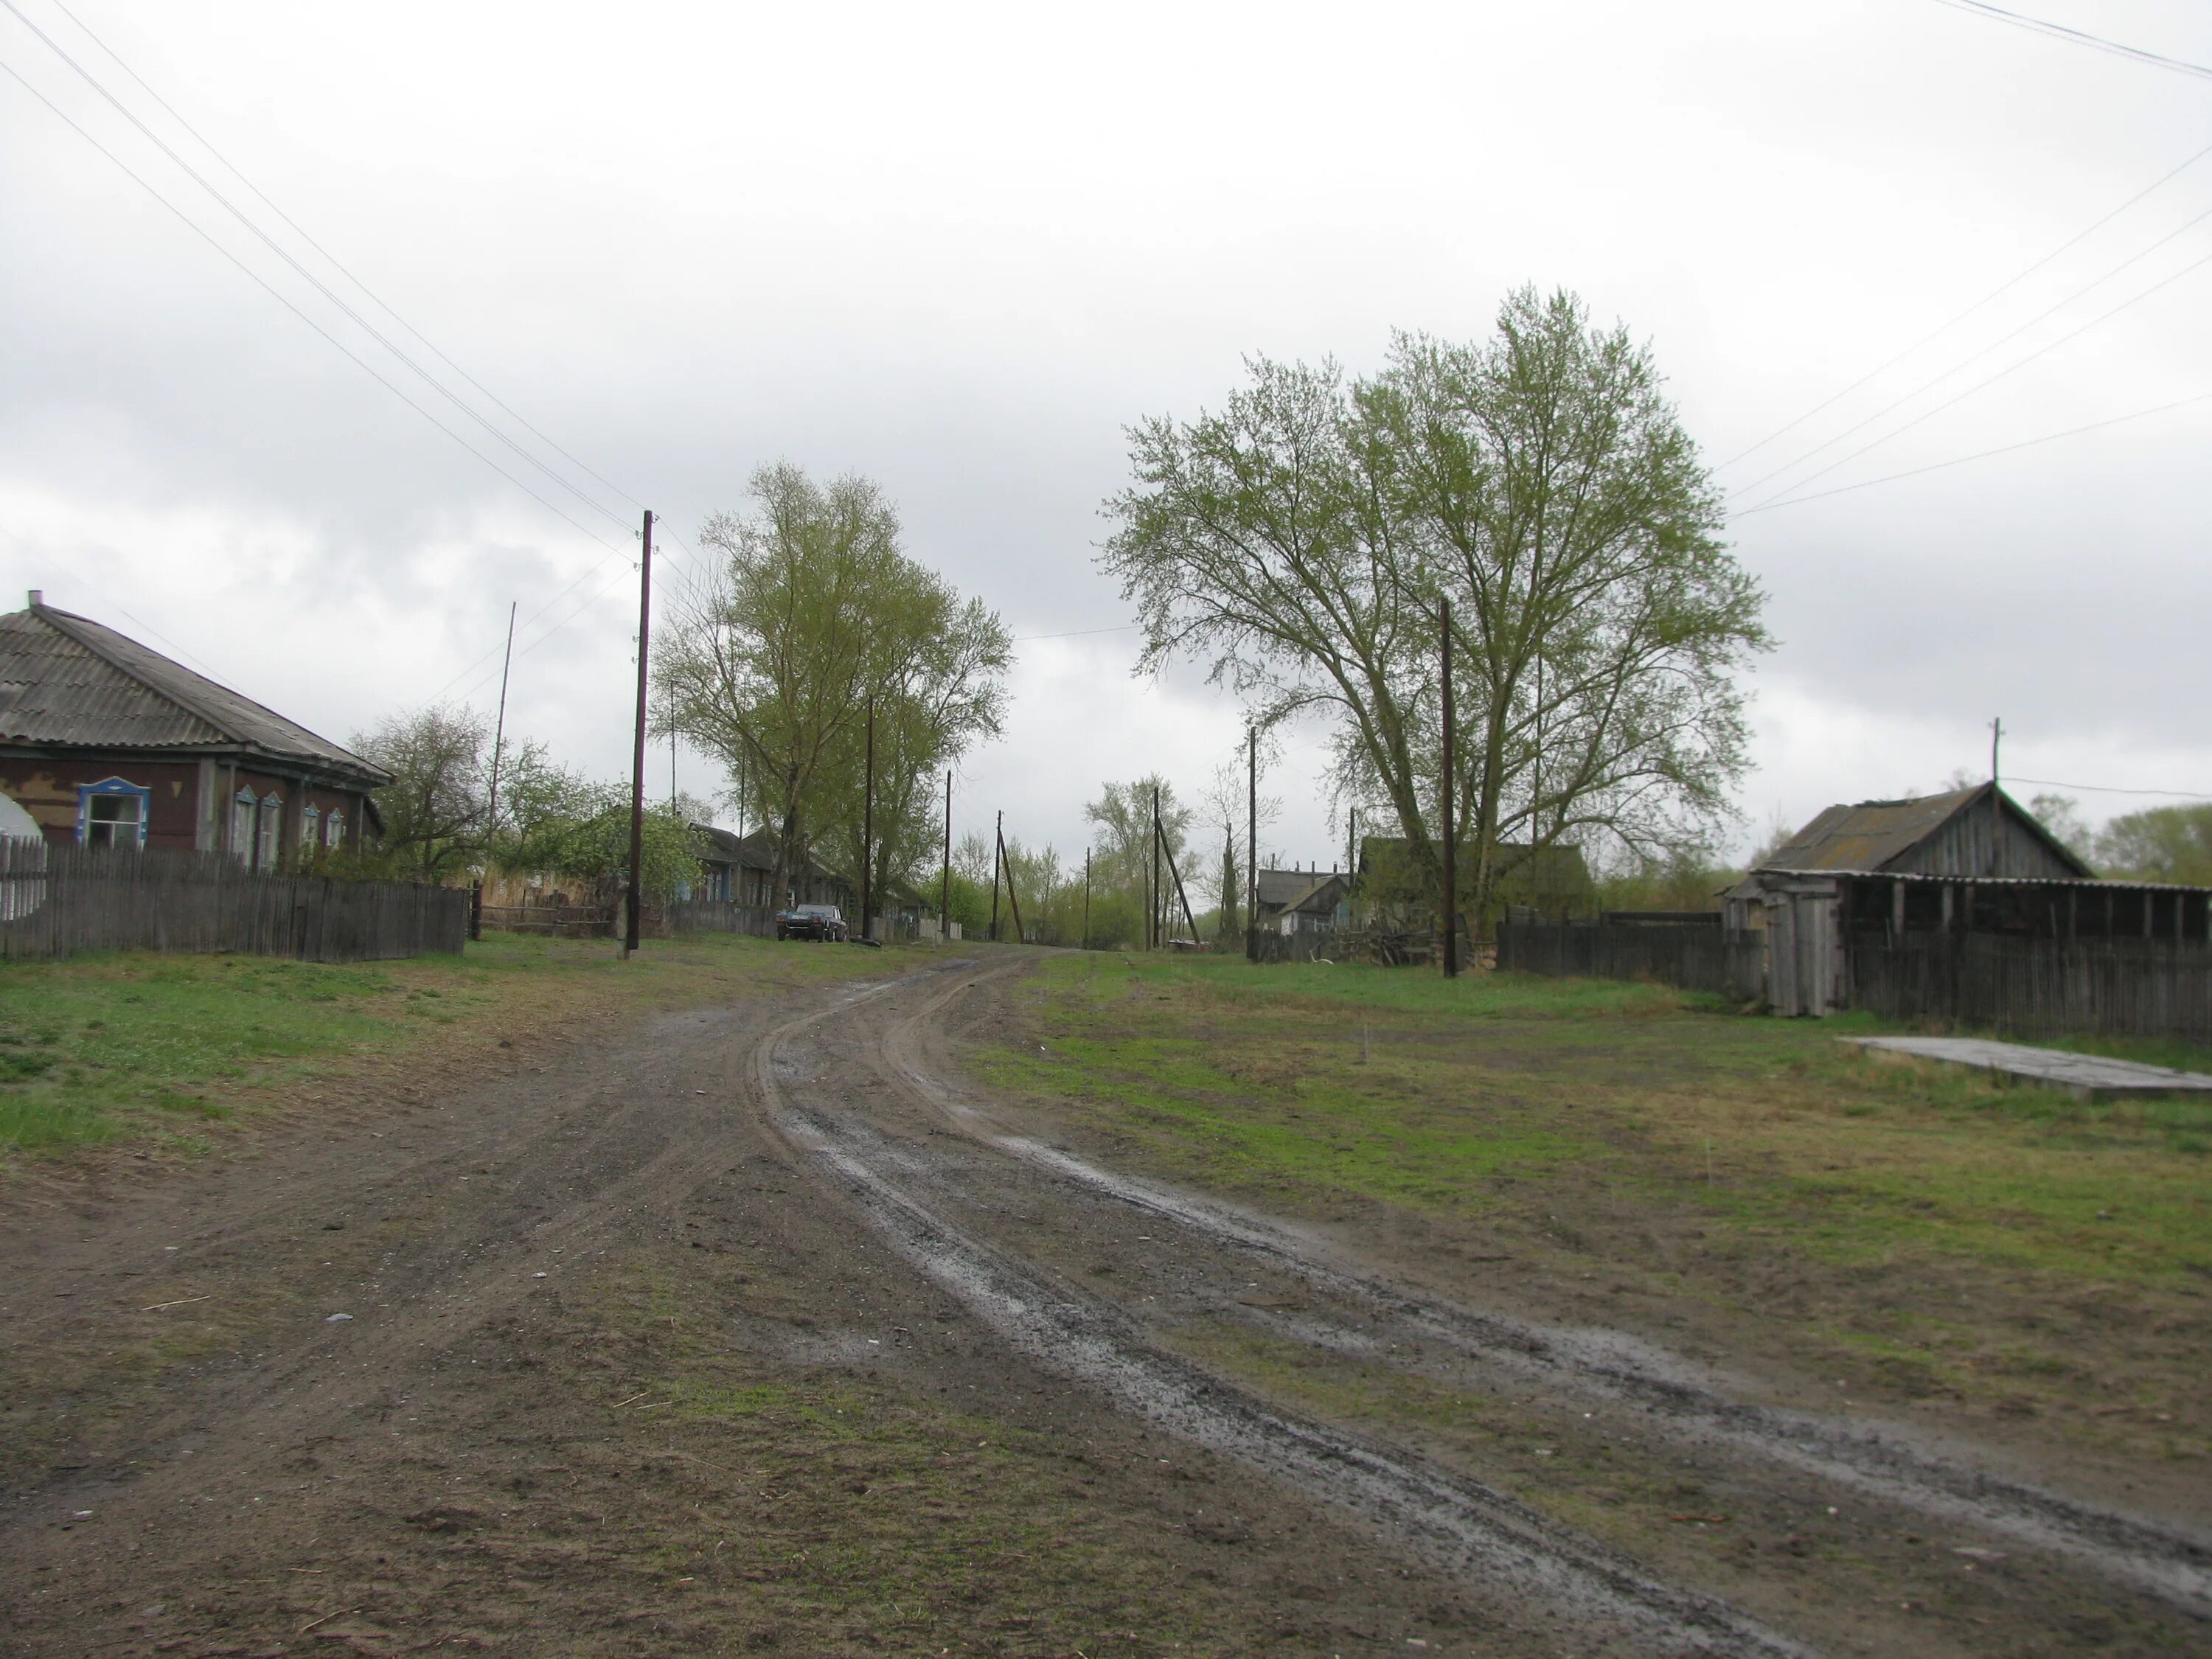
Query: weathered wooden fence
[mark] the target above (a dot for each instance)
(708, 917)
(2037, 987)
(1697, 959)
(58, 901)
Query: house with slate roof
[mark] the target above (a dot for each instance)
(104, 742)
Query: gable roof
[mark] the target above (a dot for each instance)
(1281, 889)
(1873, 835)
(68, 680)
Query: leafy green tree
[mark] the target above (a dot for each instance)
(811, 609)
(2062, 816)
(1300, 542)
(2166, 843)
(1121, 867)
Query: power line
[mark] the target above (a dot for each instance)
(2107, 789)
(1979, 455)
(320, 286)
(367, 368)
(334, 262)
(1991, 381)
(2001, 289)
(2077, 37)
(2003, 339)
(1077, 633)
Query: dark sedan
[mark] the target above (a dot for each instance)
(818, 922)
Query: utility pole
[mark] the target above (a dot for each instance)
(1252, 846)
(1013, 903)
(491, 801)
(868, 824)
(637, 758)
(998, 857)
(1996, 806)
(1152, 921)
(944, 894)
(1451, 844)
(1086, 898)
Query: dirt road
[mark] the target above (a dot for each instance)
(761, 1330)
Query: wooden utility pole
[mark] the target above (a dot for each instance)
(491, 800)
(998, 857)
(1086, 898)
(1451, 844)
(1152, 921)
(1013, 903)
(868, 824)
(637, 759)
(1252, 846)
(945, 892)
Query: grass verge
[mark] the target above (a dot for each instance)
(1925, 1229)
(157, 1050)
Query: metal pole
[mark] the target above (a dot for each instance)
(998, 853)
(637, 758)
(1451, 843)
(945, 895)
(868, 826)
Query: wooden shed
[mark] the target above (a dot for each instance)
(1974, 861)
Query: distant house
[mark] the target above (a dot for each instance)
(1303, 900)
(1554, 881)
(1969, 861)
(738, 869)
(106, 743)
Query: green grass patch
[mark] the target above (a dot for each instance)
(1632, 1133)
(156, 1048)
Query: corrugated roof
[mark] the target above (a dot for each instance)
(66, 680)
(1867, 835)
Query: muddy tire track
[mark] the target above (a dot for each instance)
(1466, 1527)
(1879, 1461)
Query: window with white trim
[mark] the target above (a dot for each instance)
(243, 810)
(311, 825)
(113, 813)
(272, 822)
(334, 829)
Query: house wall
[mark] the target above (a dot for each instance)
(47, 788)
(188, 801)
(1980, 842)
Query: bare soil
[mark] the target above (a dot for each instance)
(758, 1327)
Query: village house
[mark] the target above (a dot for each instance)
(738, 869)
(1968, 862)
(1303, 900)
(106, 743)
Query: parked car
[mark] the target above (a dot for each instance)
(818, 922)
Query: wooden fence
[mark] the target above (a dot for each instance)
(1697, 959)
(58, 901)
(2037, 987)
(604, 921)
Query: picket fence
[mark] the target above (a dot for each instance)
(59, 901)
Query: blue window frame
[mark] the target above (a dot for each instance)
(113, 813)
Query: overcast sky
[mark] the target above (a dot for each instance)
(960, 249)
